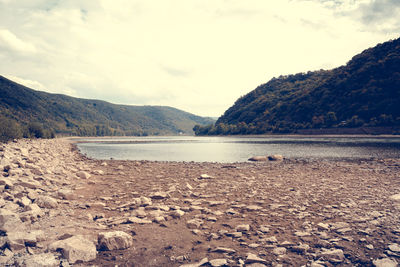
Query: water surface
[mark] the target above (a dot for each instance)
(238, 149)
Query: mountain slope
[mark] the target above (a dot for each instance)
(365, 92)
(77, 116)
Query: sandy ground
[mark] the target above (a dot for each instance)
(274, 213)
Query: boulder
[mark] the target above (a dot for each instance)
(8, 220)
(46, 202)
(243, 228)
(333, 255)
(159, 195)
(75, 248)
(194, 223)
(252, 258)
(114, 240)
(66, 194)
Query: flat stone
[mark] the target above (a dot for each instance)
(75, 248)
(66, 194)
(138, 220)
(194, 223)
(8, 220)
(279, 251)
(253, 208)
(116, 240)
(223, 250)
(242, 228)
(205, 177)
(218, 262)
(196, 264)
(253, 258)
(395, 197)
(83, 175)
(385, 262)
(177, 213)
(36, 260)
(276, 157)
(333, 255)
(394, 247)
(159, 195)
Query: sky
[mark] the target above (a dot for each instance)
(196, 55)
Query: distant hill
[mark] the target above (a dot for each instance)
(363, 93)
(74, 116)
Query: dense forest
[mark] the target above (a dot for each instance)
(25, 112)
(363, 93)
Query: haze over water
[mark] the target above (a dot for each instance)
(238, 149)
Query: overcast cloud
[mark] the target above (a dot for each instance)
(196, 55)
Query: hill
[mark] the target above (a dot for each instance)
(363, 93)
(74, 116)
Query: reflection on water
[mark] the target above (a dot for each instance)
(238, 149)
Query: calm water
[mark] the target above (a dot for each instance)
(238, 149)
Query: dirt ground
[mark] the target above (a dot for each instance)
(290, 212)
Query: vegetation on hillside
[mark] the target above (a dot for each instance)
(363, 93)
(22, 108)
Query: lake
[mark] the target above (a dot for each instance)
(238, 149)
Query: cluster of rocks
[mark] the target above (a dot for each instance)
(37, 183)
(59, 208)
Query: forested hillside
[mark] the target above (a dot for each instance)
(363, 93)
(21, 107)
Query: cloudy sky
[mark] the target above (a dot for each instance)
(195, 55)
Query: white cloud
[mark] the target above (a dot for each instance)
(10, 41)
(197, 55)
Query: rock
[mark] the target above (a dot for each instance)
(394, 247)
(145, 201)
(159, 195)
(194, 223)
(66, 194)
(264, 229)
(395, 197)
(205, 177)
(385, 262)
(24, 201)
(18, 240)
(138, 220)
(218, 262)
(36, 260)
(8, 220)
(323, 226)
(177, 213)
(75, 248)
(333, 255)
(46, 202)
(196, 264)
(253, 208)
(223, 250)
(275, 157)
(243, 228)
(83, 175)
(114, 240)
(279, 251)
(252, 258)
(32, 213)
(258, 158)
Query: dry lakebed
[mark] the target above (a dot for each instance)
(59, 208)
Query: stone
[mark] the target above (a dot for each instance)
(279, 251)
(258, 158)
(223, 250)
(218, 262)
(205, 177)
(243, 228)
(138, 220)
(145, 201)
(46, 202)
(252, 258)
(114, 240)
(333, 255)
(395, 197)
(8, 220)
(394, 247)
(385, 262)
(159, 195)
(276, 157)
(66, 194)
(75, 248)
(36, 260)
(253, 208)
(194, 223)
(83, 175)
(177, 213)
(196, 264)
(24, 201)
(31, 213)
(323, 226)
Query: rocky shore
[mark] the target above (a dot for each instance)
(58, 208)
